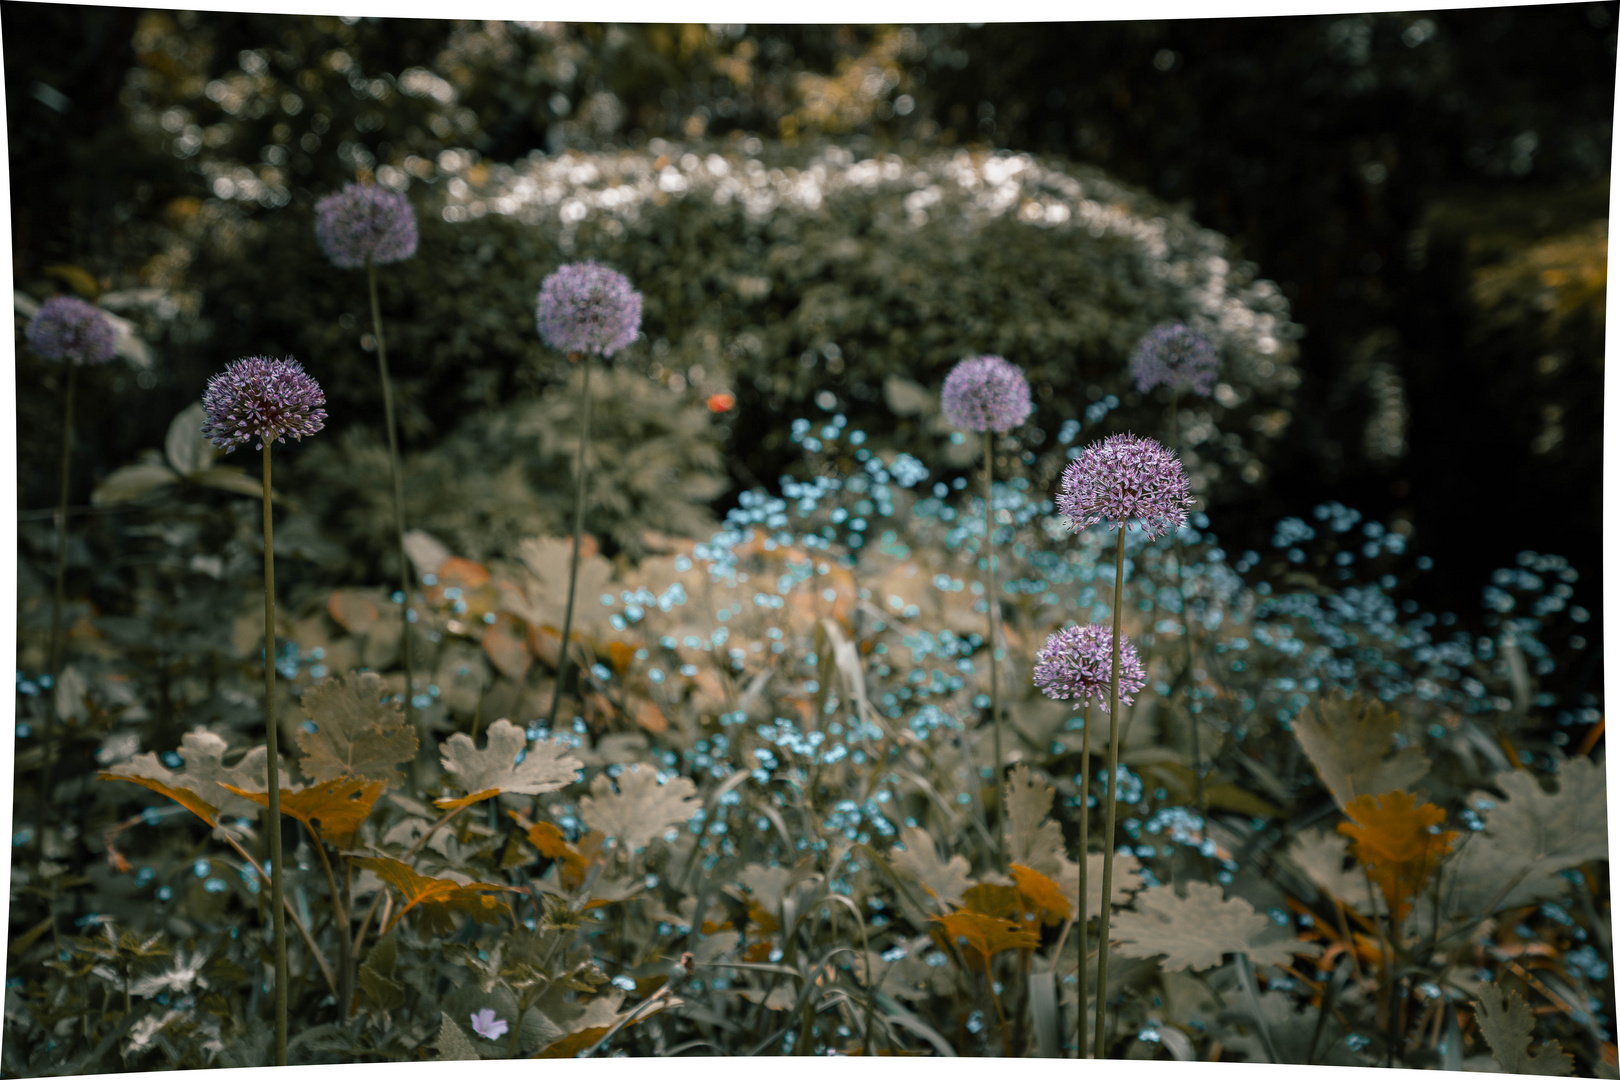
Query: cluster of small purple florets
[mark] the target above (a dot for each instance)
(69, 329)
(587, 308)
(1124, 477)
(986, 393)
(365, 222)
(1076, 662)
(1176, 356)
(259, 399)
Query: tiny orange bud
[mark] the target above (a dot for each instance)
(722, 402)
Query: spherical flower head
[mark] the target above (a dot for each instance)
(986, 393)
(1176, 356)
(587, 308)
(69, 329)
(365, 221)
(1121, 478)
(257, 399)
(1075, 665)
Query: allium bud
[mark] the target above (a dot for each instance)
(1121, 478)
(258, 399)
(587, 308)
(365, 221)
(1075, 665)
(986, 393)
(1175, 356)
(69, 329)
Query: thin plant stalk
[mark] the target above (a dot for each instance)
(58, 602)
(573, 557)
(277, 905)
(399, 494)
(990, 607)
(1200, 800)
(1085, 857)
(1110, 792)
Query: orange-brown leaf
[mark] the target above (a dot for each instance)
(1398, 840)
(334, 808)
(1040, 894)
(353, 610)
(185, 797)
(442, 893)
(548, 840)
(982, 936)
(466, 800)
(762, 921)
(649, 717)
(504, 644)
(620, 655)
(988, 899)
(570, 1045)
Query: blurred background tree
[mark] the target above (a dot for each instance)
(1430, 191)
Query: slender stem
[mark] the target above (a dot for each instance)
(399, 495)
(54, 661)
(1083, 915)
(340, 921)
(573, 558)
(990, 608)
(286, 904)
(1111, 793)
(1200, 800)
(277, 900)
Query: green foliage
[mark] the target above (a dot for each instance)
(1505, 1020)
(708, 838)
(1197, 930)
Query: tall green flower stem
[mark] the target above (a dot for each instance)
(1085, 857)
(1186, 639)
(277, 906)
(990, 609)
(580, 463)
(1111, 793)
(53, 662)
(399, 495)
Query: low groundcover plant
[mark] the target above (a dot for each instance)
(817, 775)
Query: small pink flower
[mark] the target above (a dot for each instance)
(485, 1024)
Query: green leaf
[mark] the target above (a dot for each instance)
(1529, 837)
(1126, 881)
(453, 1043)
(1033, 839)
(1507, 1024)
(642, 809)
(1321, 854)
(945, 881)
(1348, 741)
(376, 976)
(1198, 930)
(357, 733)
(546, 765)
(234, 480)
(203, 755)
(188, 450)
(132, 482)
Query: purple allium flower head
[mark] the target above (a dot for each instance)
(1121, 478)
(485, 1024)
(365, 221)
(69, 329)
(587, 308)
(256, 399)
(986, 393)
(1177, 357)
(1074, 665)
